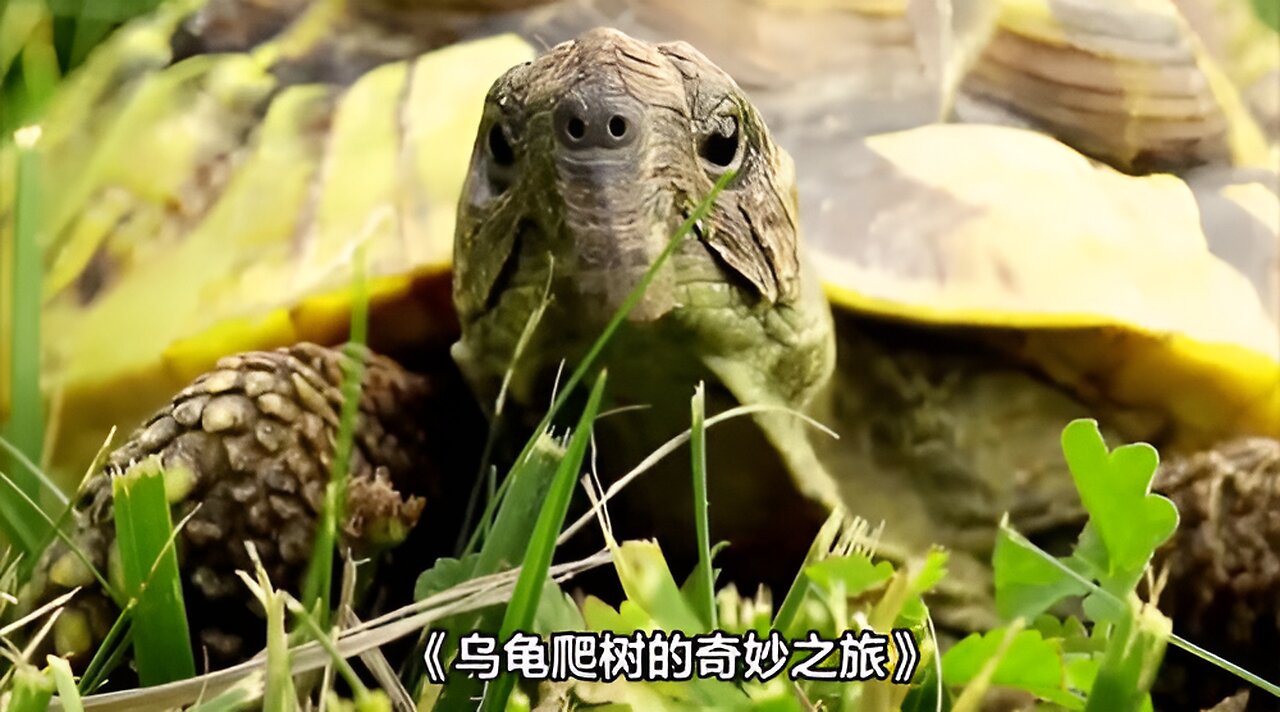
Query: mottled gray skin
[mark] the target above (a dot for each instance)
(589, 221)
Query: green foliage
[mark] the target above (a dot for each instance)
(507, 544)
(279, 693)
(110, 653)
(789, 612)
(1131, 660)
(42, 40)
(702, 583)
(852, 575)
(149, 567)
(444, 575)
(22, 524)
(1026, 662)
(517, 519)
(1126, 522)
(319, 579)
(1269, 12)
(32, 690)
(240, 697)
(537, 560)
(64, 679)
(1114, 665)
(376, 701)
(654, 602)
(319, 634)
(1028, 584)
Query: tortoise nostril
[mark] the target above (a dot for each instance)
(590, 119)
(617, 126)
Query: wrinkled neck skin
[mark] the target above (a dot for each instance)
(554, 207)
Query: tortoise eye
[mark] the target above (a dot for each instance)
(720, 147)
(499, 148)
(500, 169)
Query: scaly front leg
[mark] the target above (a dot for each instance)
(247, 451)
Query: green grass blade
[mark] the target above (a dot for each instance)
(41, 72)
(68, 695)
(704, 598)
(58, 527)
(517, 519)
(318, 584)
(23, 24)
(537, 560)
(1214, 659)
(32, 690)
(15, 509)
(280, 694)
(789, 612)
(144, 532)
(1135, 648)
(317, 633)
(26, 427)
(32, 71)
(54, 528)
(42, 477)
(504, 548)
(110, 654)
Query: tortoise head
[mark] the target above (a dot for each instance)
(586, 163)
(596, 152)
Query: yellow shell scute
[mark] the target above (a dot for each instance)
(358, 179)
(990, 227)
(438, 143)
(171, 124)
(260, 251)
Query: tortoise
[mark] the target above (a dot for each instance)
(956, 351)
